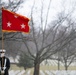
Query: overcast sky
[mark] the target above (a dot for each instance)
(56, 7)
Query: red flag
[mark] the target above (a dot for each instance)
(12, 22)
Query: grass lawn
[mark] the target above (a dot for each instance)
(56, 68)
(15, 67)
(43, 68)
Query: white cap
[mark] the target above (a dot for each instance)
(2, 50)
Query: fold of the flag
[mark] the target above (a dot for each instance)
(13, 22)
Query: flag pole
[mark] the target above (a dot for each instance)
(2, 41)
(2, 48)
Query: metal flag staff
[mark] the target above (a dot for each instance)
(2, 49)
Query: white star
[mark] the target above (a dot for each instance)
(15, 16)
(8, 24)
(22, 26)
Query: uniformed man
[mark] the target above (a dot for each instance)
(4, 63)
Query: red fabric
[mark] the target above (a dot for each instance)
(14, 22)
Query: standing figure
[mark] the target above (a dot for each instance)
(4, 63)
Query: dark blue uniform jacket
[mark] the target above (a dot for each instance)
(2, 62)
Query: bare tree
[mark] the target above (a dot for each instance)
(46, 39)
(68, 54)
(68, 51)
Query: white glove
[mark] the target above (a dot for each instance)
(4, 68)
(2, 71)
(0, 68)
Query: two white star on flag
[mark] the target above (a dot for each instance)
(22, 26)
(8, 24)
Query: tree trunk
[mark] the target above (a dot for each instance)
(66, 67)
(58, 60)
(36, 69)
(58, 64)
